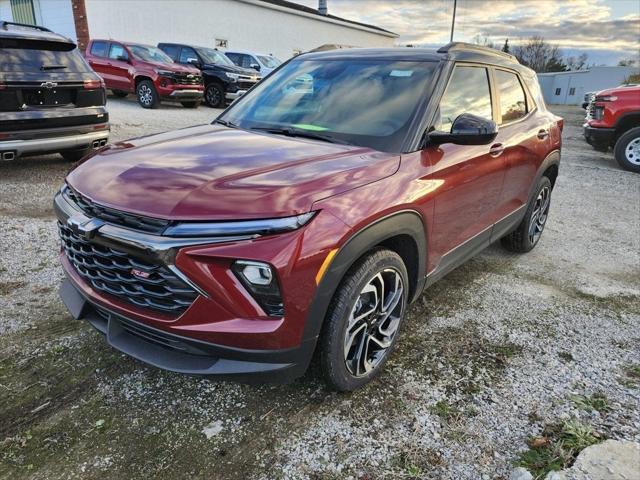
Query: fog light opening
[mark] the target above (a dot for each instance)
(260, 281)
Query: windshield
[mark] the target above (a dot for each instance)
(39, 57)
(269, 62)
(209, 55)
(149, 54)
(363, 102)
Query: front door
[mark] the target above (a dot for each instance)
(119, 68)
(471, 175)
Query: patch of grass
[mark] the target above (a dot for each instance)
(446, 411)
(598, 401)
(631, 376)
(7, 287)
(557, 447)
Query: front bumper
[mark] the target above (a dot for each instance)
(185, 95)
(56, 140)
(598, 136)
(183, 354)
(234, 95)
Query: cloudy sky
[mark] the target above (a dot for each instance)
(607, 30)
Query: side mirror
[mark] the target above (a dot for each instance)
(255, 66)
(467, 129)
(194, 61)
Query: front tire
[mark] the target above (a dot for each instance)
(528, 233)
(147, 95)
(627, 150)
(363, 320)
(214, 96)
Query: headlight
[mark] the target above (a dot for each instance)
(260, 281)
(165, 73)
(243, 227)
(232, 76)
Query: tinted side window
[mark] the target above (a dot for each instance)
(467, 92)
(513, 104)
(233, 57)
(244, 60)
(99, 49)
(171, 50)
(186, 54)
(117, 52)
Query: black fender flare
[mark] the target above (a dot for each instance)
(552, 158)
(405, 222)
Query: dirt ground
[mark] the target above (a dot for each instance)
(493, 356)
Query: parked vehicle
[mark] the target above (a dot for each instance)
(263, 63)
(307, 219)
(613, 120)
(588, 97)
(146, 71)
(223, 81)
(50, 99)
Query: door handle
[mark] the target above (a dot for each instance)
(496, 150)
(542, 134)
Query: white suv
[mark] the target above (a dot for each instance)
(261, 62)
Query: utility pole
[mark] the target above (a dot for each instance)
(453, 20)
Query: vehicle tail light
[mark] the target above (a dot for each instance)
(93, 84)
(3, 85)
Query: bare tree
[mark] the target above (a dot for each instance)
(483, 41)
(627, 62)
(577, 63)
(539, 55)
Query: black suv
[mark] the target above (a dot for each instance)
(50, 99)
(223, 80)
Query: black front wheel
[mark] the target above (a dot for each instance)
(214, 96)
(528, 232)
(627, 150)
(147, 95)
(364, 319)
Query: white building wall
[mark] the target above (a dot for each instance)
(592, 80)
(5, 10)
(56, 15)
(245, 24)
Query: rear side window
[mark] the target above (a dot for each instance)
(99, 49)
(171, 50)
(513, 103)
(233, 57)
(467, 92)
(117, 52)
(41, 57)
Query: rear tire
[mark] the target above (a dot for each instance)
(119, 93)
(190, 104)
(147, 95)
(214, 96)
(627, 150)
(364, 320)
(75, 155)
(528, 233)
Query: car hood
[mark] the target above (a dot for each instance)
(212, 172)
(229, 68)
(173, 67)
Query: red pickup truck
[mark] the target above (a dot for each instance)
(146, 71)
(613, 120)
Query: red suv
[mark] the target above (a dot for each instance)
(613, 120)
(310, 214)
(146, 71)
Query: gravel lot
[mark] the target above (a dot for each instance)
(491, 356)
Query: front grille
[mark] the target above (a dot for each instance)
(111, 271)
(116, 217)
(187, 79)
(245, 85)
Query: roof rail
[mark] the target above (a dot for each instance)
(4, 25)
(464, 46)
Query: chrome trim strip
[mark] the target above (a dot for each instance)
(186, 280)
(53, 143)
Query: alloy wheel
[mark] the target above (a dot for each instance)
(145, 94)
(632, 152)
(539, 215)
(374, 322)
(213, 96)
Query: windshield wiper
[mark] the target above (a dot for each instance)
(226, 123)
(298, 132)
(52, 67)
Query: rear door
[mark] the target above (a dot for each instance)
(524, 134)
(471, 175)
